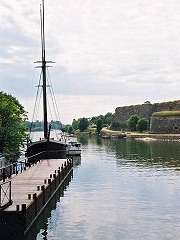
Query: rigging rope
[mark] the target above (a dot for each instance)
(37, 102)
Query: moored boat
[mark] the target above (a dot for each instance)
(45, 148)
(73, 148)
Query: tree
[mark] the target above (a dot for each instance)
(108, 118)
(70, 130)
(12, 127)
(75, 124)
(99, 125)
(132, 122)
(83, 124)
(142, 124)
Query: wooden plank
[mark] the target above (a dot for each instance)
(27, 182)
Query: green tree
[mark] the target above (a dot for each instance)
(142, 124)
(99, 125)
(108, 118)
(70, 130)
(132, 122)
(75, 124)
(12, 124)
(83, 124)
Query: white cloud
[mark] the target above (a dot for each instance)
(123, 49)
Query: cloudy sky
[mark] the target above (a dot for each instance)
(108, 53)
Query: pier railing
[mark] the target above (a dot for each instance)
(49, 154)
(9, 170)
(5, 195)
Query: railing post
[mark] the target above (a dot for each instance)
(16, 168)
(21, 167)
(10, 200)
(4, 177)
(0, 195)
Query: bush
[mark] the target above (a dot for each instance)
(142, 124)
(132, 122)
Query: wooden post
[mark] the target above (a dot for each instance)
(59, 176)
(24, 216)
(44, 197)
(54, 176)
(49, 182)
(35, 203)
(16, 169)
(62, 171)
(4, 175)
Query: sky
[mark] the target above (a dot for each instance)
(107, 53)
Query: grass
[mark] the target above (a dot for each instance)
(107, 131)
(166, 113)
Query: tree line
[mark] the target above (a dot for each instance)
(135, 123)
(39, 125)
(14, 124)
(81, 124)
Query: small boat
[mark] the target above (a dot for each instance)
(45, 148)
(73, 148)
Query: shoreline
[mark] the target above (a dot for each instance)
(153, 136)
(142, 136)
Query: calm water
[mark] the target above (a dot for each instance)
(123, 189)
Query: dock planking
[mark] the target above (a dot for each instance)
(27, 182)
(31, 191)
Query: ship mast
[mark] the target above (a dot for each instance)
(44, 72)
(44, 68)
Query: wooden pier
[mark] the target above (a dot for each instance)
(28, 193)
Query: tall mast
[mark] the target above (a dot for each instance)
(44, 67)
(44, 72)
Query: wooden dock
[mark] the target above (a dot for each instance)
(30, 191)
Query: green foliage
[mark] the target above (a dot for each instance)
(70, 130)
(132, 122)
(12, 127)
(99, 125)
(167, 113)
(83, 124)
(142, 124)
(56, 125)
(39, 125)
(106, 119)
(75, 124)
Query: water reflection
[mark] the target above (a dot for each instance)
(157, 153)
(41, 222)
(154, 153)
(123, 189)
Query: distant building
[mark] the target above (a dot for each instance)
(146, 110)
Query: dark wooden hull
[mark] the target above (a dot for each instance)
(45, 149)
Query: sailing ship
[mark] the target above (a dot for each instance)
(45, 148)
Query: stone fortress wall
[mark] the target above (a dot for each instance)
(122, 114)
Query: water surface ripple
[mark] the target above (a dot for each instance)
(123, 189)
